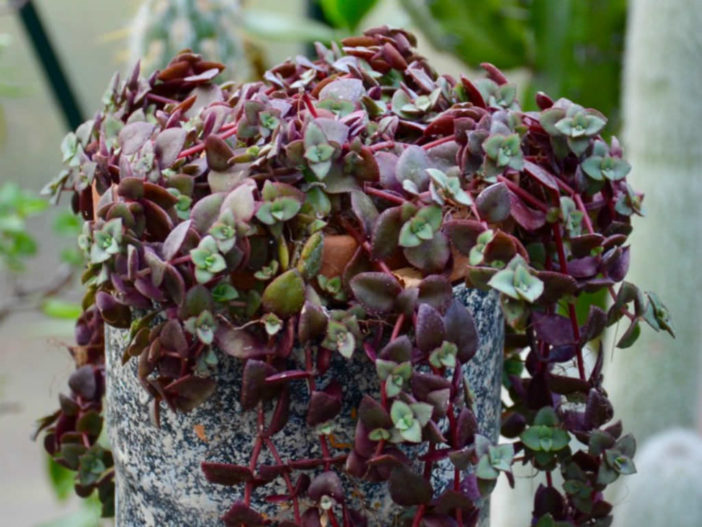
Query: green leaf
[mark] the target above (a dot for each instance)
(345, 14)
(384, 368)
(61, 479)
(57, 308)
(503, 281)
(285, 295)
(485, 470)
(277, 27)
(422, 412)
(501, 457)
(68, 224)
(379, 434)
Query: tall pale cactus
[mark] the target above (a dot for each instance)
(212, 28)
(656, 384)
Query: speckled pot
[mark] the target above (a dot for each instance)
(158, 476)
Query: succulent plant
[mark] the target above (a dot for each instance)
(430, 181)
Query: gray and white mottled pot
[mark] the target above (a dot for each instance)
(158, 476)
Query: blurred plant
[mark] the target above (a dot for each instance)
(212, 28)
(569, 46)
(7, 89)
(221, 30)
(17, 246)
(62, 481)
(344, 14)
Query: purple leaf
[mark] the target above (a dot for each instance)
(133, 136)
(168, 145)
(583, 267)
(241, 514)
(541, 175)
(430, 328)
(324, 405)
(555, 330)
(238, 343)
(83, 382)
(461, 330)
(190, 392)
(326, 484)
(206, 211)
(398, 350)
(174, 240)
(225, 473)
(253, 383)
(386, 233)
(494, 203)
(407, 488)
(527, 217)
(376, 291)
(463, 233)
(436, 291)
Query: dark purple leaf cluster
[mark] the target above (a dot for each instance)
(330, 209)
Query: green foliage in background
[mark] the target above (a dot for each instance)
(62, 481)
(571, 47)
(16, 244)
(345, 14)
(7, 89)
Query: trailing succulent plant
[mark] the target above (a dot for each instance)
(211, 214)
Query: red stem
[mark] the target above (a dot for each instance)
(438, 142)
(418, 517)
(398, 326)
(325, 451)
(523, 194)
(381, 145)
(385, 195)
(252, 467)
(286, 477)
(201, 146)
(586, 216)
(310, 107)
(161, 99)
(571, 306)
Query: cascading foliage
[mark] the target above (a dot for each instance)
(210, 211)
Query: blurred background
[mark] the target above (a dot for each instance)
(636, 61)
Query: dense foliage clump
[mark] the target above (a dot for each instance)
(328, 210)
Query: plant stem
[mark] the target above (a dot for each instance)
(384, 195)
(438, 142)
(418, 516)
(586, 216)
(398, 326)
(201, 146)
(519, 191)
(286, 477)
(571, 305)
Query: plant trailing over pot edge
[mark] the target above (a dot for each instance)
(211, 210)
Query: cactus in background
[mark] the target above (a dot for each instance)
(662, 114)
(211, 28)
(668, 488)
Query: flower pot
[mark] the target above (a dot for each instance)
(158, 475)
